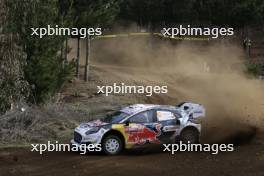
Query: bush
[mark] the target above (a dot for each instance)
(254, 69)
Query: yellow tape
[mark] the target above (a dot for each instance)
(140, 33)
(148, 34)
(105, 36)
(122, 35)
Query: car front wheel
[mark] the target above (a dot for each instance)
(112, 145)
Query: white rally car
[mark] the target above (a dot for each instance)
(142, 124)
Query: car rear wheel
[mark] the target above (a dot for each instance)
(112, 145)
(189, 135)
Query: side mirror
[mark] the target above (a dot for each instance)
(127, 123)
(178, 122)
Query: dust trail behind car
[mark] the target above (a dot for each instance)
(209, 73)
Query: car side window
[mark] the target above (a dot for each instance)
(143, 117)
(163, 115)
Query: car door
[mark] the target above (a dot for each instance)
(169, 124)
(143, 128)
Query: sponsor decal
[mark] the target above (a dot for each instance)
(170, 128)
(140, 134)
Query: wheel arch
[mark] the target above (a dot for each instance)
(116, 133)
(190, 127)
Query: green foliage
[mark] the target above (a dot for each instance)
(44, 69)
(254, 69)
(237, 13)
(94, 13)
(13, 87)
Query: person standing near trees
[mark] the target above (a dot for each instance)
(247, 46)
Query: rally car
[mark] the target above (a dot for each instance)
(142, 124)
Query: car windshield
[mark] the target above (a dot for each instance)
(115, 117)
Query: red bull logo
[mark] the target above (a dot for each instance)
(140, 134)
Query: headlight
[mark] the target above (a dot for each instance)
(93, 130)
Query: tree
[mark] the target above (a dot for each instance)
(89, 13)
(235, 13)
(43, 69)
(13, 87)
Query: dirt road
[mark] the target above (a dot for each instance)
(245, 160)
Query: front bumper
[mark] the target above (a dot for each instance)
(79, 138)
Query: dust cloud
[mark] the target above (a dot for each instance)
(207, 72)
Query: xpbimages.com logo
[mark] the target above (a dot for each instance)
(58, 147)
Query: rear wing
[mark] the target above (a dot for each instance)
(192, 109)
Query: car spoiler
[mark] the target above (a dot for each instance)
(192, 109)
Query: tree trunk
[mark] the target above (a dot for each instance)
(87, 58)
(61, 54)
(66, 50)
(78, 59)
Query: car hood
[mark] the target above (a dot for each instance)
(91, 124)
